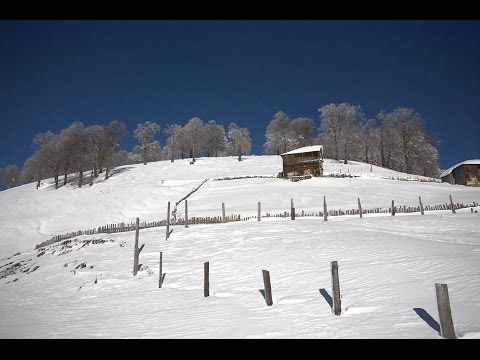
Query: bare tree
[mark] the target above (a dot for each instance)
(279, 135)
(11, 176)
(173, 131)
(195, 135)
(34, 168)
(304, 131)
(68, 147)
(337, 123)
(367, 140)
(114, 132)
(144, 133)
(239, 141)
(215, 139)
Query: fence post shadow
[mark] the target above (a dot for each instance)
(327, 297)
(262, 291)
(425, 316)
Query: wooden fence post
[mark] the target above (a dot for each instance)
(325, 215)
(393, 208)
(135, 249)
(161, 274)
(444, 311)
(337, 304)
(268, 287)
(223, 212)
(421, 206)
(292, 210)
(168, 222)
(259, 205)
(360, 208)
(206, 279)
(186, 213)
(451, 203)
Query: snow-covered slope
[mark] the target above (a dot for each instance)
(388, 265)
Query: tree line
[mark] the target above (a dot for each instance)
(397, 140)
(95, 149)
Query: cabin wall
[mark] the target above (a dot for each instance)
(468, 175)
(303, 164)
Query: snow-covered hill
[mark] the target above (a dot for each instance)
(388, 265)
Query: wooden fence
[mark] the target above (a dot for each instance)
(195, 220)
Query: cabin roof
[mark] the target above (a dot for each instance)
(466, 162)
(306, 149)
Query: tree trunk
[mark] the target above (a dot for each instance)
(95, 170)
(39, 179)
(239, 154)
(144, 155)
(56, 181)
(80, 178)
(106, 173)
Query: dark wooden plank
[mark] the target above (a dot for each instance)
(268, 287)
(444, 311)
(206, 279)
(135, 247)
(337, 303)
(168, 222)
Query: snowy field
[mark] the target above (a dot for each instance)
(387, 265)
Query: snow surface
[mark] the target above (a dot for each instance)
(388, 266)
(305, 149)
(466, 162)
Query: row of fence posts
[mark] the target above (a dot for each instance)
(441, 290)
(128, 227)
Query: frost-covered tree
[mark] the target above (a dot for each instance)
(279, 135)
(195, 135)
(49, 152)
(10, 176)
(338, 121)
(34, 169)
(156, 151)
(114, 132)
(239, 141)
(145, 133)
(173, 132)
(367, 141)
(215, 139)
(304, 131)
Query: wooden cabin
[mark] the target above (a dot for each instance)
(465, 173)
(304, 161)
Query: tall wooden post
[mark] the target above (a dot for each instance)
(421, 206)
(360, 208)
(337, 303)
(292, 210)
(451, 204)
(186, 213)
(223, 212)
(259, 210)
(167, 234)
(393, 208)
(268, 287)
(325, 214)
(444, 311)
(206, 279)
(161, 273)
(135, 247)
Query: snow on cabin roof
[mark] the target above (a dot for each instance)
(305, 149)
(466, 162)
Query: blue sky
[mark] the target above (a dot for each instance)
(53, 73)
